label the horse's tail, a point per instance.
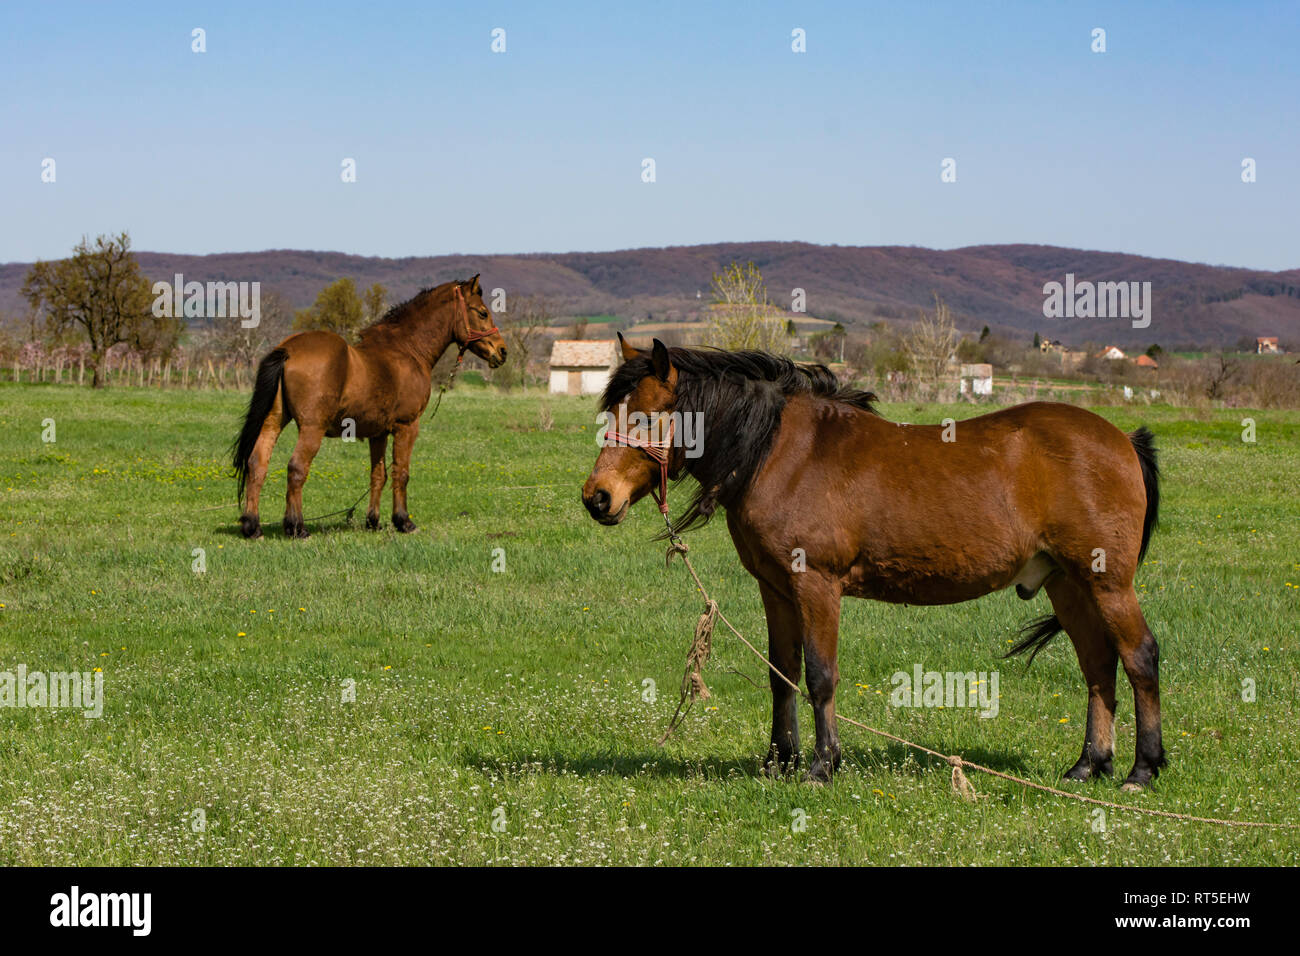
(270, 374)
(1144, 444)
(1035, 635)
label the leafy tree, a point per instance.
(100, 292)
(339, 308)
(375, 301)
(743, 316)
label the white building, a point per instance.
(977, 379)
(582, 366)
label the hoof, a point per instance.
(250, 527)
(1086, 770)
(296, 530)
(776, 767)
(372, 522)
(820, 772)
(1142, 775)
(403, 523)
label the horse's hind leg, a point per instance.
(378, 447)
(1097, 659)
(784, 649)
(1141, 657)
(258, 462)
(308, 444)
(819, 611)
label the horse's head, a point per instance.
(638, 439)
(475, 330)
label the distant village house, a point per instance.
(1267, 345)
(977, 379)
(582, 366)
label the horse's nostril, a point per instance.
(601, 500)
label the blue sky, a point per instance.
(539, 149)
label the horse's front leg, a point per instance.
(784, 647)
(403, 440)
(819, 611)
(378, 475)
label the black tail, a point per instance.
(269, 373)
(1144, 444)
(1035, 635)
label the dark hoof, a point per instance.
(250, 527)
(295, 530)
(1144, 772)
(372, 522)
(403, 523)
(1138, 780)
(819, 772)
(777, 766)
(1087, 770)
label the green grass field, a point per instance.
(517, 697)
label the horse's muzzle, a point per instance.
(598, 505)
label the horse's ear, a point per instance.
(659, 359)
(474, 287)
(629, 353)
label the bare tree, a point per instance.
(229, 340)
(1219, 373)
(929, 346)
(524, 326)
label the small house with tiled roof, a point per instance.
(582, 366)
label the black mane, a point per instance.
(741, 396)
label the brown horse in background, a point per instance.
(825, 498)
(376, 388)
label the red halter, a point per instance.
(471, 335)
(659, 452)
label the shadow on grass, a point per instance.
(892, 758)
(275, 530)
(636, 763)
(896, 758)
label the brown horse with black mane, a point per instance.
(825, 498)
(376, 388)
